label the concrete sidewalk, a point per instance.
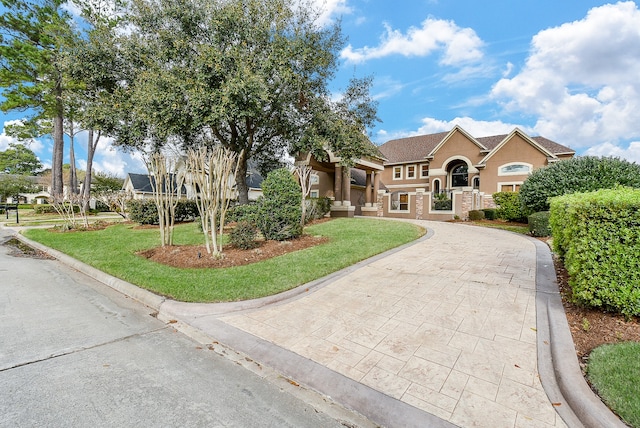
(440, 333)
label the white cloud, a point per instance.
(329, 9)
(458, 45)
(581, 79)
(630, 153)
(477, 128)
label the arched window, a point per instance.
(436, 185)
(476, 182)
(460, 175)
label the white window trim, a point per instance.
(434, 184)
(415, 172)
(421, 174)
(314, 194)
(408, 210)
(394, 173)
(503, 174)
(314, 179)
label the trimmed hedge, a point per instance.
(144, 211)
(476, 215)
(490, 213)
(539, 224)
(580, 174)
(509, 206)
(598, 236)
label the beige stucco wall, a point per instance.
(516, 150)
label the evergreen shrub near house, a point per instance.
(490, 213)
(598, 236)
(509, 207)
(581, 174)
(243, 235)
(476, 215)
(246, 212)
(44, 209)
(144, 211)
(539, 224)
(280, 209)
(317, 208)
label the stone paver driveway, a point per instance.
(447, 325)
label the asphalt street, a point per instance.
(75, 353)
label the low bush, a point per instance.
(243, 236)
(186, 210)
(317, 208)
(476, 215)
(539, 224)
(44, 209)
(144, 211)
(598, 236)
(246, 212)
(509, 206)
(490, 213)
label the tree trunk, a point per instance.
(91, 149)
(241, 179)
(57, 186)
(73, 175)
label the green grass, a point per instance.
(614, 371)
(113, 249)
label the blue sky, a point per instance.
(567, 70)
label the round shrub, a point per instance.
(243, 236)
(143, 211)
(581, 174)
(476, 215)
(280, 211)
(539, 224)
(490, 213)
(509, 207)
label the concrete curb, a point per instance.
(558, 366)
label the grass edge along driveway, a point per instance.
(113, 250)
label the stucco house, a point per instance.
(436, 176)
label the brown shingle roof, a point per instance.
(552, 146)
(410, 148)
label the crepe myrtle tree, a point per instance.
(167, 188)
(211, 173)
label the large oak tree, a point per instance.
(250, 75)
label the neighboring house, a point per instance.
(139, 186)
(40, 197)
(437, 176)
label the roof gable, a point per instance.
(456, 129)
(547, 151)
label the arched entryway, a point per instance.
(458, 174)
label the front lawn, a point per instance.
(113, 250)
(614, 371)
